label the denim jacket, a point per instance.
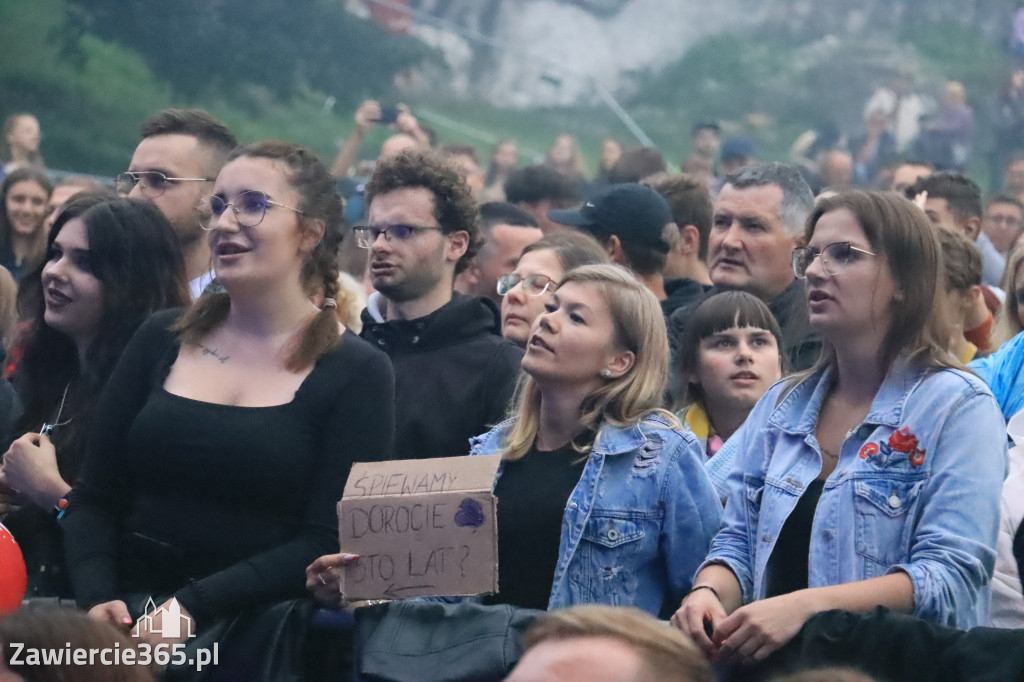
(916, 489)
(639, 521)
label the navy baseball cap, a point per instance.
(634, 213)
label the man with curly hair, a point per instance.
(454, 372)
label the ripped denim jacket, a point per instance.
(638, 523)
(916, 489)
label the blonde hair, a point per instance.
(666, 653)
(639, 328)
(1008, 322)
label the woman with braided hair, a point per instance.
(224, 438)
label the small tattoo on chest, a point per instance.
(216, 354)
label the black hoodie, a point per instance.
(454, 375)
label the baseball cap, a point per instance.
(634, 213)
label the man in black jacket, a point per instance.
(454, 373)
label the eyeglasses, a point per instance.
(533, 285)
(366, 235)
(834, 258)
(153, 183)
(249, 208)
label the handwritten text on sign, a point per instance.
(421, 528)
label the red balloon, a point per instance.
(13, 576)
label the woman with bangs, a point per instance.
(223, 440)
(603, 498)
(872, 479)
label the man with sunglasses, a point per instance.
(758, 219)
(180, 154)
(454, 373)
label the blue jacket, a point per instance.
(637, 524)
(1003, 371)
(916, 490)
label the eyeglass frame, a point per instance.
(824, 259)
(522, 280)
(267, 202)
(147, 189)
(366, 235)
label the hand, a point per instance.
(756, 630)
(30, 467)
(699, 613)
(10, 500)
(113, 612)
(920, 199)
(323, 579)
(406, 123)
(367, 114)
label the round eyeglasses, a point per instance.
(152, 183)
(834, 258)
(533, 285)
(249, 208)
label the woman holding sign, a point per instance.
(602, 496)
(225, 435)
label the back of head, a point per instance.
(666, 653)
(715, 314)
(690, 201)
(899, 231)
(503, 213)
(212, 134)
(54, 629)
(797, 198)
(572, 249)
(961, 261)
(962, 195)
(454, 207)
(533, 184)
(637, 163)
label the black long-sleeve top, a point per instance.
(221, 506)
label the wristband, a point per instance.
(60, 508)
(703, 587)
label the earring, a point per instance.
(606, 373)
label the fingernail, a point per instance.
(349, 557)
(126, 620)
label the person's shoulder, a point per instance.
(160, 325)
(355, 351)
(950, 381)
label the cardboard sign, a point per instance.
(422, 528)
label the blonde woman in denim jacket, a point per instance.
(604, 495)
(905, 449)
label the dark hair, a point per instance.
(961, 261)
(25, 173)
(1005, 199)
(318, 203)
(900, 232)
(534, 184)
(134, 254)
(211, 133)
(454, 207)
(705, 125)
(797, 198)
(636, 163)
(52, 627)
(493, 171)
(690, 201)
(572, 248)
(962, 195)
(715, 314)
(503, 213)
(36, 158)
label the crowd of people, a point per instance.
(763, 402)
